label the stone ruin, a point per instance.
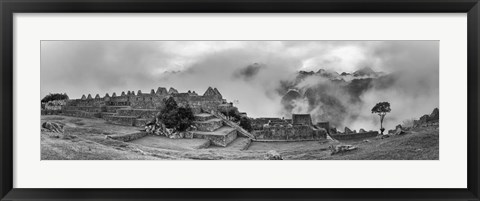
(132, 109)
(299, 128)
(141, 109)
(348, 134)
(304, 119)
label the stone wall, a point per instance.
(199, 103)
(121, 120)
(88, 102)
(113, 109)
(304, 119)
(218, 140)
(84, 108)
(79, 113)
(325, 125)
(258, 123)
(127, 137)
(353, 136)
(148, 101)
(209, 125)
(51, 112)
(295, 132)
(138, 113)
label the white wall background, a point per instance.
(448, 172)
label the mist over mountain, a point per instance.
(337, 98)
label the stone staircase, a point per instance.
(232, 124)
(330, 138)
(212, 128)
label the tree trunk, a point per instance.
(381, 124)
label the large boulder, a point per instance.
(399, 131)
(52, 127)
(273, 155)
(341, 148)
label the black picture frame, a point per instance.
(9, 7)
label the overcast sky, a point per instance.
(83, 67)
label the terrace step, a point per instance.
(121, 120)
(203, 117)
(208, 125)
(103, 115)
(220, 137)
(114, 109)
(80, 113)
(240, 144)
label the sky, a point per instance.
(100, 67)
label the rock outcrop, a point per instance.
(52, 127)
(435, 115)
(273, 155)
(428, 120)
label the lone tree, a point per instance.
(381, 109)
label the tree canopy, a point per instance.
(173, 116)
(54, 96)
(382, 108)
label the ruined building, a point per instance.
(132, 109)
(299, 128)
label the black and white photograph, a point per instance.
(239, 100)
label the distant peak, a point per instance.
(365, 71)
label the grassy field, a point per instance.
(85, 139)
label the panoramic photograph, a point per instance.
(239, 100)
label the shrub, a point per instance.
(246, 124)
(231, 112)
(185, 118)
